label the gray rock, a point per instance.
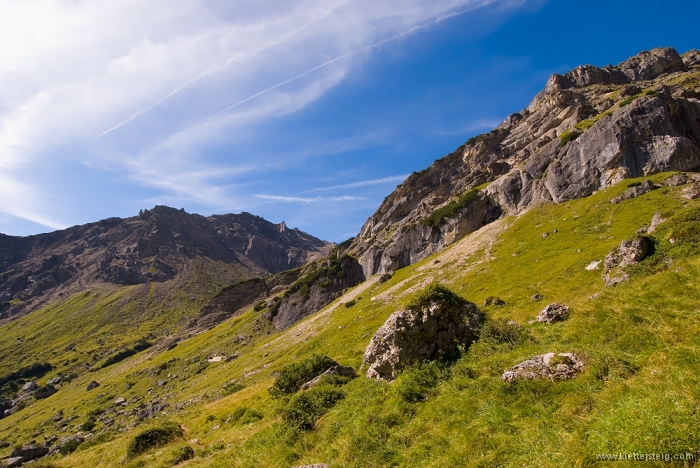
(493, 300)
(550, 366)
(691, 58)
(45, 391)
(49, 441)
(424, 332)
(525, 162)
(627, 253)
(315, 465)
(29, 452)
(120, 401)
(54, 381)
(594, 265)
(93, 385)
(344, 371)
(537, 297)
(648, 65)
(655, 221)
(14, 461)
(76, 439)
(633, 192)
(676, 179)
(691, 192)
(554, 312)
(29, 387)
(322, 290)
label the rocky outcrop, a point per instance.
(633, 192)
(93, 385)
(627, 253)
(554, 312)
(28, 453)
(550, 366)
(430, 328)
(155, 246)
(587, 130)
(317, 287)
(691, 192)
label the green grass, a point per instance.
(639, 391)
(567, 136)
(435, 219)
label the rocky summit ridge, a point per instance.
(158, 245)
(587, 130)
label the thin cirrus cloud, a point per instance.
(145, 89)
(362, 183)
(307, 200)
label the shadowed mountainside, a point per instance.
(155, 246)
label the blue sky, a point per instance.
(307, 111)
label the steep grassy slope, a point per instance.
(638, 393)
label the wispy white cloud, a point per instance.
(147, 88)
(307, 200)
(471, 127)
(362, 183)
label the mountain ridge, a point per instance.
(576, 136)
(156, 245)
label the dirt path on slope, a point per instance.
(460, 252)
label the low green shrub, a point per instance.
(435, 219)
(569, 135)
(292, 377)
(418, 382)
(181, 454)
(88, 425)
(70, 446)
(501, 331)
(435, 293)
(350, 303)
(122, 354)
(304, 409)
(100, 438)
(250, 416)
(153, 438)
(232, 387)
(627, 101)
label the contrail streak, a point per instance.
(212, 70)
(353, 52)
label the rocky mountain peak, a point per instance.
(586, 130)
(157, 245)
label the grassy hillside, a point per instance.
(639, 391)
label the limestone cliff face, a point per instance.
(157, 245)
(588, 129)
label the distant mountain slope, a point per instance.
(587, 130)
(158, 245)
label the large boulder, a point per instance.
(554, 312)
(550, 366)
(29, 452)
(431, 327)
(627, 253)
